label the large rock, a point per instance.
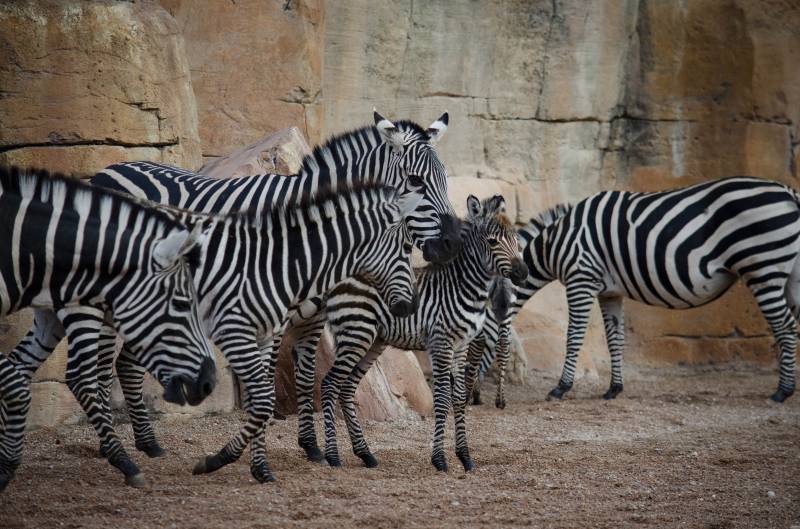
(281, 152)
(86, 84)
(256, 67)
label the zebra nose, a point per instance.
(519, 272)
(403, 308)
(207, 378)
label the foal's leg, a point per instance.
(614, 323)
(347, 400)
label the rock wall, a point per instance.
(550, 100)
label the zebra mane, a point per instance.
(368, 135)
(546, 218)
(326, 202)
(78, 195)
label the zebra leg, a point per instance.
(258, 446)
(347, 400)
(15, 395)
(348, 354)
(244, 357)
(503, 353)
(83, 326)
(131, 380)
(771, 299)
(441, 359)
(579, 299)
(472, 380)
(305, 359)
(459, 410)
(614, 323)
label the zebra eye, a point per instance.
(492, 241)
(181, 305)
(416, 180)
(407, 248)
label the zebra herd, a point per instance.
(166, 259)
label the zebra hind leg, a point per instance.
(347, 399)
(772, 301)
(131, 379)
(614, 323)
(16, 401)
(305, 355)
(580, 297)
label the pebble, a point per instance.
(770, 494)
(454, 503)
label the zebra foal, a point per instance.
(676, 249)
(453, 305)
(86, 254)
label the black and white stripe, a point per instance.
(453, 305)
(676, 249)
(87, 255)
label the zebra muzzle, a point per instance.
(403, 309)
(519, 272)
(183, 389)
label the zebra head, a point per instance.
(159, 322)
(498, 237)
(434, 227)
(387, 263)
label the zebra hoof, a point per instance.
(559, 391)
(262, 473)
(207, 464)
(333, 460)
(500, 404)
(439, 462)
(136, 481)
(368, 459)
(476, 398)
(781, 395)
(612, 392)
(466, 461)
(314, 454)
(151, 450)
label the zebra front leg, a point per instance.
(15, 396)
(258, 446)
(131, 380)
(441, 360)
(82, 326)
(244, 357)
(305, 361)
(580, 296)
(503, 353)
(348, 354)
(347, 400)
(472, 382)
(770, 296)
(459, 411)
(614, 323)
(38, 344)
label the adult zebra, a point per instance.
(676, 249)
(401, 155)
(453, 305)
(83, 252)
(259, 266)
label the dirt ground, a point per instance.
(680, 448)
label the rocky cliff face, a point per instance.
(550, 101)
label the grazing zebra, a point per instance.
(400, 155)
(453, 305)
(85, 253)
(676, 249)
(481, 355)
(257, 268)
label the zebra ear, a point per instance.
(438, 128)
(176, 245)
(407, 204)
(496, 205)
(389, 132)
(474, 207)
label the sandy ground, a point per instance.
(680, 448)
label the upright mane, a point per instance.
(78, 195)
(368, 135)
(537, 224)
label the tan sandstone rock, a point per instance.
(281, 152)
(91, 83)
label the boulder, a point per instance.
(86, 84)
(281, 152)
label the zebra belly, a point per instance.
(700, 291)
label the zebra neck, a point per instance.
(360, 156)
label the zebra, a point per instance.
(84, 253)
(677, 249)
(258, 267)
(400, 154)
(480, 355)
(453, 305)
